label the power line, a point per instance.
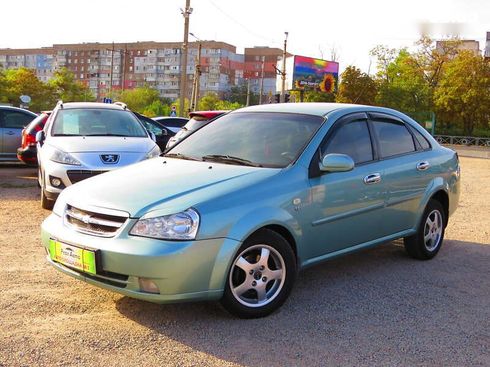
(241, 24)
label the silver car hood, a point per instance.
(113, 144)
(163, 184)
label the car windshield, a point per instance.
(262, 139)
(97, 122)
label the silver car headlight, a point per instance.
(155, 152)
(64, 158)
(179, 226)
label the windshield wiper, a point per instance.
(230, 159)
(181, 156)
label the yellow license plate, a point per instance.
(72, 256)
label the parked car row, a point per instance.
(12, 122)
(235, 209)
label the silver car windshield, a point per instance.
(97, 122)
(262, 139)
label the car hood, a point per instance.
(165, 184)
(114, 144)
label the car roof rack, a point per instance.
(121, 104)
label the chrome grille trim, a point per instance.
(94, 223)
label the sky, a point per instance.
(315, 27)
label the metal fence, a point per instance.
(463, 140)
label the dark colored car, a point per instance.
(12, 121)
(162, 132)
(198, 120)
(172, 123)
(27, 152)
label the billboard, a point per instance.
(307, 73)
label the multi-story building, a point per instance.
(39, 59)
(487, 46)
(255, 57)
(463, 45)
(102, 66)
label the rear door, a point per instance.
(13, 122)
(407, 169)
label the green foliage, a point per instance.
(24, 81)
(68, 89)
(157, 108)
(138, 99)
(311, 96)
(356, 87)
(463, 93)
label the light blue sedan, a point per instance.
(235, 210)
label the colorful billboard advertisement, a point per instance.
(315, 74)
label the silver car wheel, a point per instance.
(257, 276)
(433, 230)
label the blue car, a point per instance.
(236, 209)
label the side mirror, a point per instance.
(336, 163)
(152, 136)
(164, 132)
(40, 136)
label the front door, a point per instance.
(347, 207)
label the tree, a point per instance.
(24, 81)
(401, 83)
(463, 92)
(68, 89)
(209, 101)
(238, 94)
(356, 87)
(139, 98)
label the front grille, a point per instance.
(79, 175)
(93, 223)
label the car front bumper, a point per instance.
(182, 270)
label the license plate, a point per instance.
(72, 256)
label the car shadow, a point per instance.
(377, 306)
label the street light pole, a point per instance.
(283, 71)
(262, 81)
(112, 68)
(183, 60)
(197, 75)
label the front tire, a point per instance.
(427, 242)
(261, 276)
(45, 202)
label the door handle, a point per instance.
(372, 179)
(10, 133)
(422, 166)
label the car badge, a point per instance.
(109, 158)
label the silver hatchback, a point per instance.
(81, 140)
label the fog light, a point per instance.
(147, 285)
(56, 182)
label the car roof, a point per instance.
(307, 108)
(3, 107)
(108, 106)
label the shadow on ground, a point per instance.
(375, 307)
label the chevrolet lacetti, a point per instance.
(232, 212)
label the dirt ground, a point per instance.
(376, 307)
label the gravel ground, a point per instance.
(377, 307)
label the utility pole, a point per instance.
(183, 60)
(283, 71)
(125, 54)
(262, 80)
(248, 92)
(112, 68)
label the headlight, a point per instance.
(64, 158)
(154, 152)
(180, 226)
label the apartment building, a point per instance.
(464, 45)
(253, 59)
(102, 66)
(487, 46)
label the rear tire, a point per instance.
(261, 276)
(427, 242)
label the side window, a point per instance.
(424, 144)
(352, 139)
(393, 138)
(153, 128)
(16, 120)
